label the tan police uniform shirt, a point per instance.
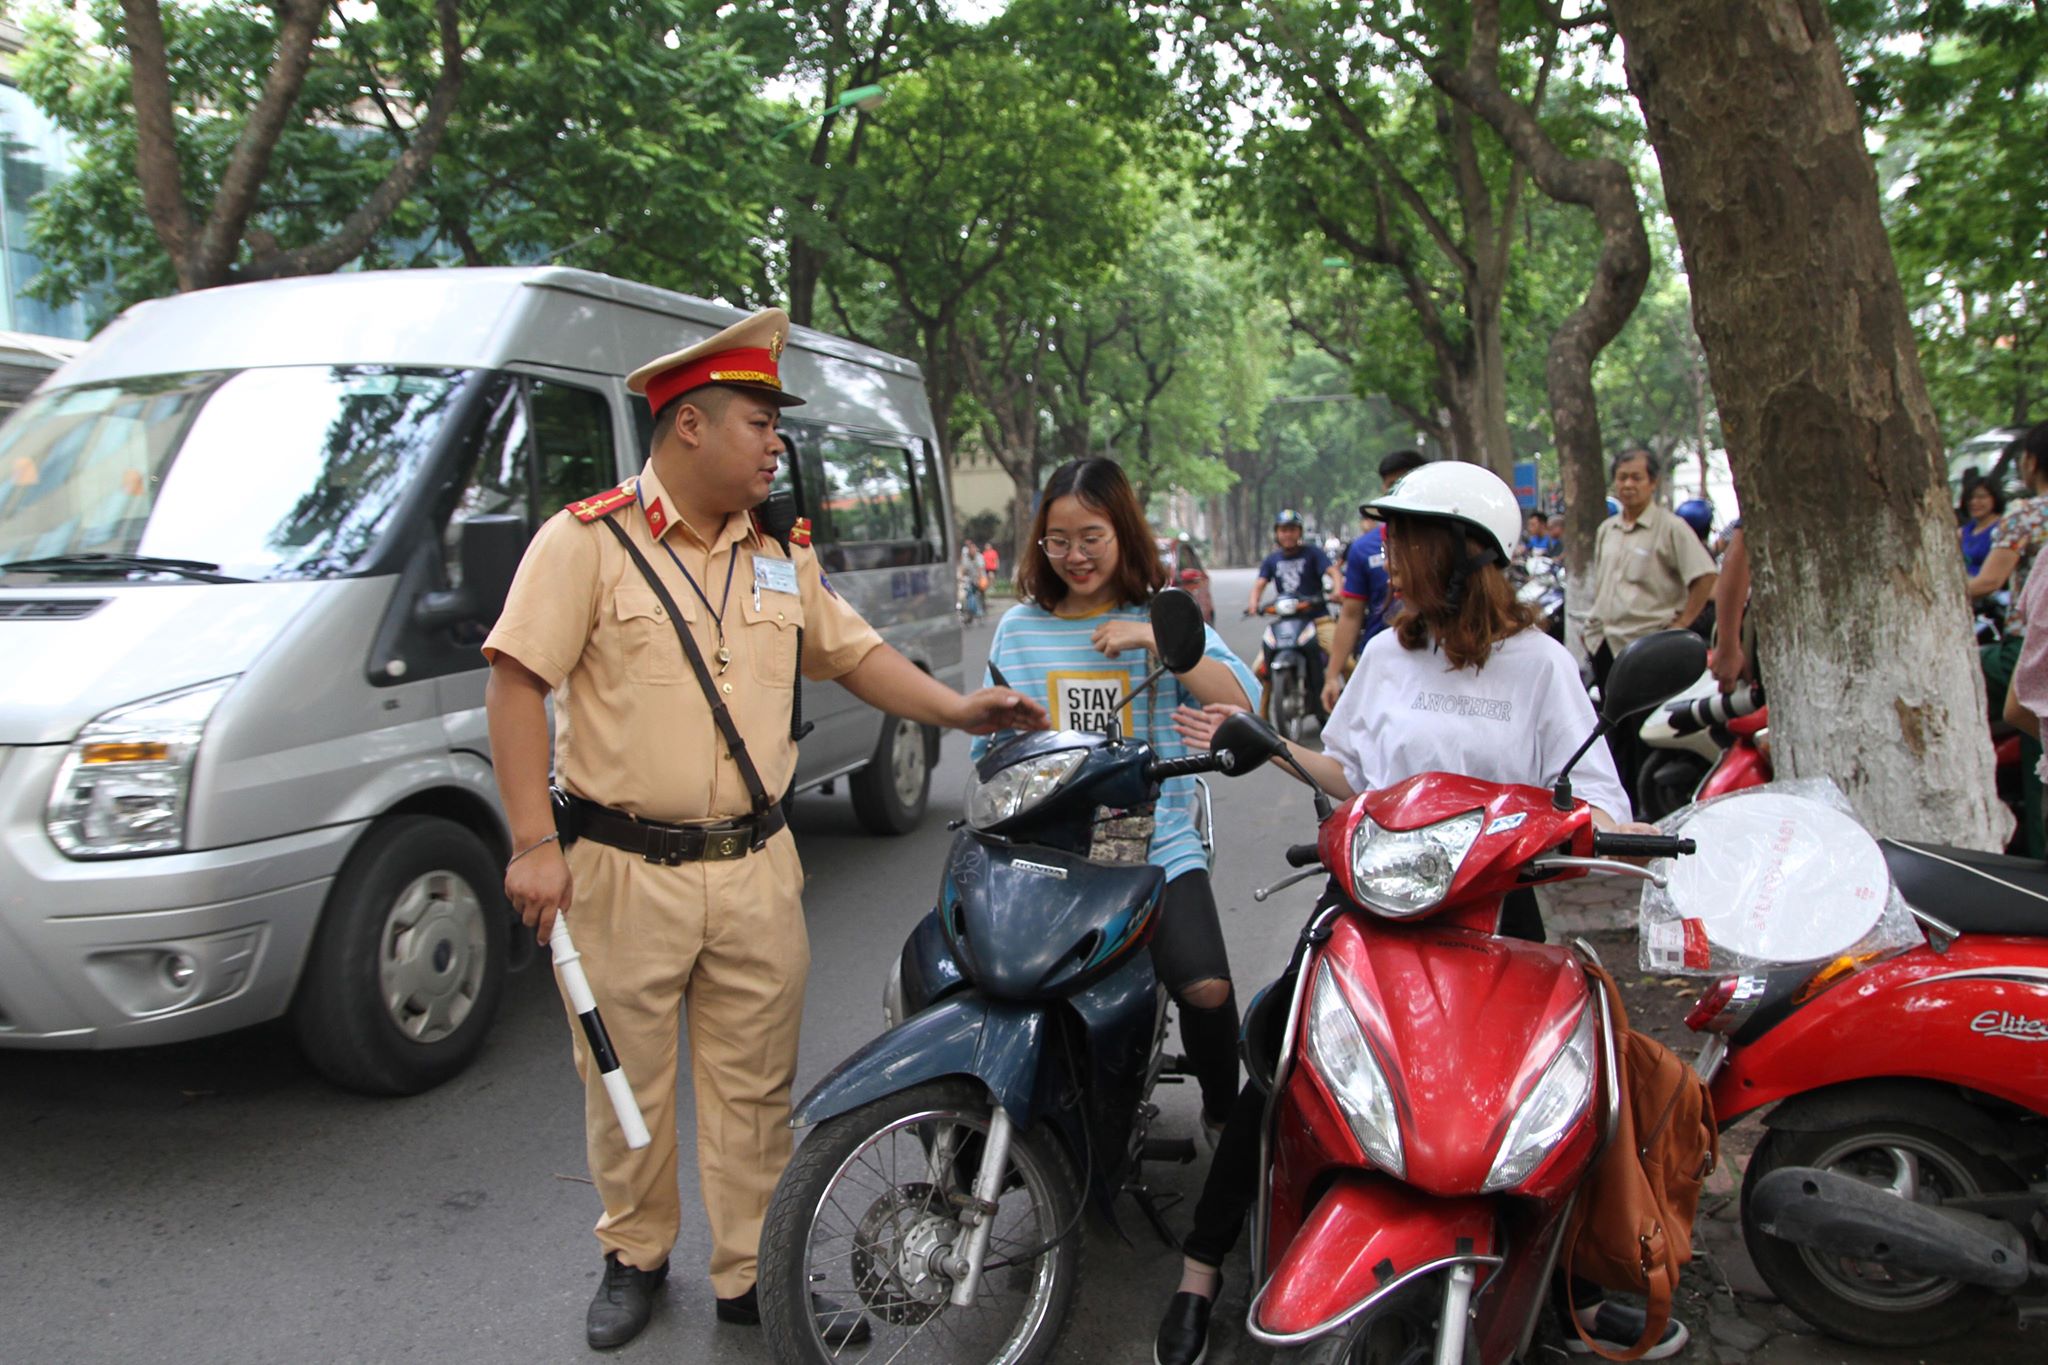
(633, 729)
(1640, 576)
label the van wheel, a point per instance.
(889, 794)
(408, 964)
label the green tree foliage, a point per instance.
(574, 122)
(1958, 94)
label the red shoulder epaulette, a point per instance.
(599, 504)
(800, 534)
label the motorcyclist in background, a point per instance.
(1698, 513)
(1294, 570)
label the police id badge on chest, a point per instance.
(773, 575)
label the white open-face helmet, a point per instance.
(1452, 490)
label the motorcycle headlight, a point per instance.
(1019, 787)
(1561, 1095)
(1403, 872)
(123, 787)
(1338, 1051)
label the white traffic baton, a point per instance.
(569, 967)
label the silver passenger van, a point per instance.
(250, 541)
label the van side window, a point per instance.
(861, 496)
(500, 483)
(574, 431)
(514, 473)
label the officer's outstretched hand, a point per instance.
(538, 885)
(993, 709)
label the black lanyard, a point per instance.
(717, 612)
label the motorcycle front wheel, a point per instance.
(1287, 702)
(868, 1212)
(1400, 1333)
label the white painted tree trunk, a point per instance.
(1866, 644)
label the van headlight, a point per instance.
(1403, 872)
(1561, 1095)
(123, 787)
(1013, 790)
(1340, 1055)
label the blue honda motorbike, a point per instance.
(940, 1191)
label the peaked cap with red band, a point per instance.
(746, 355)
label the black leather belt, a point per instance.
(670, 845)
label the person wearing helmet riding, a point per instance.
(1365, 599)
(1295, 569)
(1462, 682)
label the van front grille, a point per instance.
(48, 608)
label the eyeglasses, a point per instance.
(1093, 546)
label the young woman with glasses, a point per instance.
(1079, 641)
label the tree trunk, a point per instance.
(1601, 184)
(1865, 639)
(1490, 389)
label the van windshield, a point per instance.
(269, 474)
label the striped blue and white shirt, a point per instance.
(1053, 661)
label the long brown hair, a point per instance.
(1101, 487)
(1465, 621)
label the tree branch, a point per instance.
(157, 166)
(356, 231)
(220, 241)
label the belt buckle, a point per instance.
(664, 846)
(723, 847)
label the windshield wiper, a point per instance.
(93, 561)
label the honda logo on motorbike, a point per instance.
(1999, 1024)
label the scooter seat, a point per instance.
(1977, 893)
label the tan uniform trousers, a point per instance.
(725, 943)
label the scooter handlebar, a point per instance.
(1189, 766)
(1304, 855)
(1640, 845)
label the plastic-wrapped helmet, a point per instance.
(1613, 508)
(1451, 490)
(1286, 517)
(1697, 513)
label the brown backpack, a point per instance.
(1631, 1230)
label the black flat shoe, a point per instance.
(1184, 1331)
(623, 1303)
(836, 1326)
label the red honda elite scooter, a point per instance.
(1900, 1193)
(1438, 1091)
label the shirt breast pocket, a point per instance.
(771, 637)
(647, 639)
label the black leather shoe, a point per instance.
(1183, 1332)
(623, 1303)
(837, 1326)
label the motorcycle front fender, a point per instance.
(994, 1042)
(1367, 1238)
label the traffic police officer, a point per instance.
(684, 884)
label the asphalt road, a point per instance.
(217, 1202)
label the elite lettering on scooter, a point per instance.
(1999, 1024)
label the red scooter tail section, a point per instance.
(1367, 1236)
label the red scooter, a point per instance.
(1900, 1193)
(1437, 1092)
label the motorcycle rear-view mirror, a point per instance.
(1248, 740)
(1177, 629)
(1653, 669)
